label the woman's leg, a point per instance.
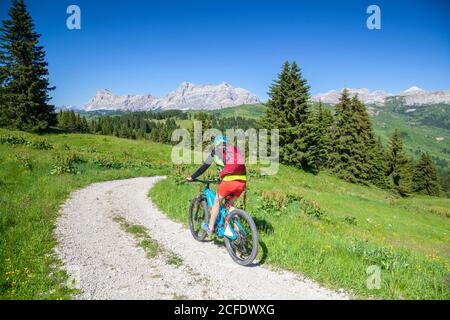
(230, 203)
(215, 211)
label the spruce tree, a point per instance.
(324, 123)
(378, 168)
(356, 155)
(288, 110)
(63, 120)
(344, 161)
(398, 167)
(275, 116)
(370, 148)
(301, 136)
(72, 121)
(78, 126)
(84, 125)
(316, 143)
(23, 74)
(425, 179)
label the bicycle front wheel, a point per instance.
(244, 248)
(197, 215)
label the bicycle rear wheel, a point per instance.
(197, 215)
(244, 248)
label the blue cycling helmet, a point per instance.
(220, 139)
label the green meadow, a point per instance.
(37, 174)
(316, 225)
(332, 231)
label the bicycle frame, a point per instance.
(229, 232)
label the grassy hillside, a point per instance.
(317, 225)
(332, 231)
(417, 137)
(326, 224)
(32, 190)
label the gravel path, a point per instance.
(106, 262)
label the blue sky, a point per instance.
(152, 46)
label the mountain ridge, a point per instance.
(187, 96)
(413, 96)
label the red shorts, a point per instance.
(230, 189)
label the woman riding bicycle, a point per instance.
(232, 172)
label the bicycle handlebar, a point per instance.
(205, 181)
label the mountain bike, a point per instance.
(237, 228)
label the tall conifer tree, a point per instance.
(23, 74)
(288, 110)
(377, 173)
(425, 179)
(344, 161)
(324, 121)
(275, 116)
(398, 167)
(303, 147)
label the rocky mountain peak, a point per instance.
(412, 90)
(186, 96)
(414, 96)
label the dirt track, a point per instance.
(107, 262)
